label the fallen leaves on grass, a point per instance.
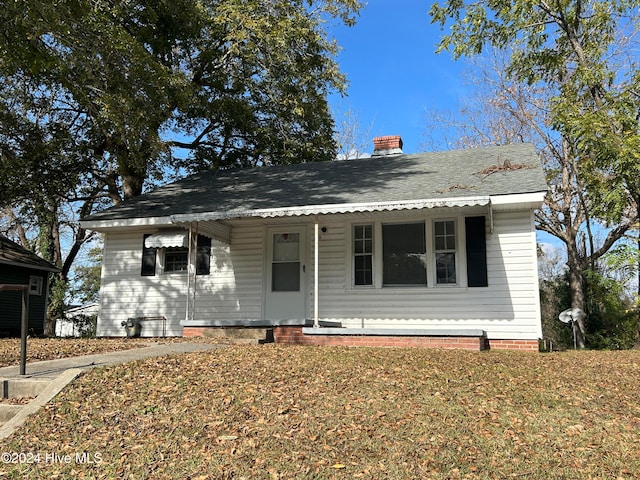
(304, 412)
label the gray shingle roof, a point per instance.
(501, 170)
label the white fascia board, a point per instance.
(101, 225)
(518, 200)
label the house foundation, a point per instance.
(370, 337)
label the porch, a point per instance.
(295, 332)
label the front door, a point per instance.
(286, 274)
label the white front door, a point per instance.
(286, 274)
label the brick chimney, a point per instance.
(389, 145)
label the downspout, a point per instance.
(490, 217)
(316, 236)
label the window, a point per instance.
(363, 254)
(35, 285)
(445, 250)
(176, 259)
(203, 256)
(148, 268)
(404, 254)
(400, 256)
(285, 273)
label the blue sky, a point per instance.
(394, 74)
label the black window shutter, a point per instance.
(148, 259)
(476, 252)
(203, 255)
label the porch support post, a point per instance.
(316, 237)
(191, 271)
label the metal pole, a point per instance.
(23, 331)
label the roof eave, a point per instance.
(101, 225)
(30, 266)
(518, 201)
(509, 201)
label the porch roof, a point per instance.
(427, 180)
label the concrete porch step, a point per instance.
(23, 391)
(239, 335)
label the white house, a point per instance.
(77, 320)
(427, 249)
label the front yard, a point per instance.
(305, 412)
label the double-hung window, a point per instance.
(404, 254)
(363, 254)
(176, 260)
(445, 252)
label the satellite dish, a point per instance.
(572, 315)
(565, 317)
(577, 314)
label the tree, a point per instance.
(236, 83)
(351, 139)
(554, 295)
(572, 51)
(101, 100)
(87, 277)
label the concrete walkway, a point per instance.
(53, 368)
(44, 380)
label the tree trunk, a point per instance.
(576, 285)
(637, 345)
(132, 186)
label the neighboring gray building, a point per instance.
(432, 245)
(19, 266)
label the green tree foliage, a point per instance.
(612, 323)
(101, 100)
(234, 83)
(578, 53)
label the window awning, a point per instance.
(169, 238)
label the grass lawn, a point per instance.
(323, 412)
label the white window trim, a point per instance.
(434, 275)
(429, 222)
(352, 255)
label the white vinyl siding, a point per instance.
(232, 290)
(507, 308)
